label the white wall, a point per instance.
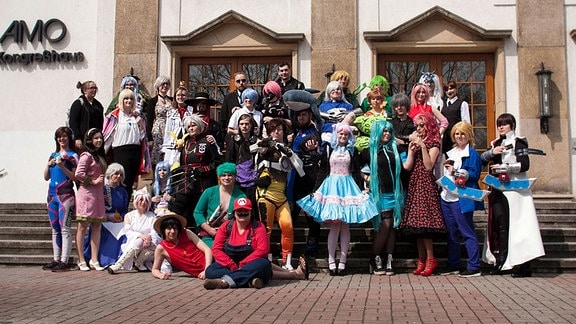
(36, 97)
(570, 8)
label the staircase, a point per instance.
(25, 239)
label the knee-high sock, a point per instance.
(344, 244)
(332, 242)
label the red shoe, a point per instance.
(431, 265)
(420, 265)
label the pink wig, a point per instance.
(415, 90)
(432, 131)
(272, 87)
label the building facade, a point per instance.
(492, 49)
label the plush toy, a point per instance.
(364, 125)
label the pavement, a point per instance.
(31, 295)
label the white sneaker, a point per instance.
(288, 267)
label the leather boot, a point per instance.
(140, 261)
(431, 265)
(420, 265)
(121, 260)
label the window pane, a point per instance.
(478, 116)
(479, 93)
(448, 71)
(463, 71)
(479, 71)
(481, 139)
(224, 75)
(464, 92)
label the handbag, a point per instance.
(217, 218)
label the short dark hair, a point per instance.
(170, 222)
(506, 119)
(64, 131)
(400, 99)
(284, 63)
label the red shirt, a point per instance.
(260, 244)
(419, 109)
(185, 256)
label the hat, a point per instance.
(242, 203)
(298, 105)
(160, 219)
(200, 96)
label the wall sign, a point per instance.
(53, 31)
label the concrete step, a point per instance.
(28, 233)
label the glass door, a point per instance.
(216, 75)
(473, 73)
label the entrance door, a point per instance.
(473, 73)
(215, 75)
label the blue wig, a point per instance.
(391, 146)
(157, 185)
(136, 91)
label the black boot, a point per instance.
(522, 271)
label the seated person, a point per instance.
(184, 252)
(217, 202)
(240, 254)
(334, 109)
(116, 201)
(139, 247)
(161, 187)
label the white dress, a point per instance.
(139, 224)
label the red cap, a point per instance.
(242, 203)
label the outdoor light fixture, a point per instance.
(545, 97)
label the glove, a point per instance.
(198, 172)
(263, 182)
(267, 142)
(284, 149)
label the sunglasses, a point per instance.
(241, 81)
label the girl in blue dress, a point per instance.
(337, 199)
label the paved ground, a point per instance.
(30, 295)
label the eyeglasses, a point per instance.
(241, 81)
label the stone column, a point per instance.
(136, 42)
(334, 40)
(542, 38)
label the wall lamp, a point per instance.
(545, 97)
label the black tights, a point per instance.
(385, 237)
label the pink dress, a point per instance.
(89, 198)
